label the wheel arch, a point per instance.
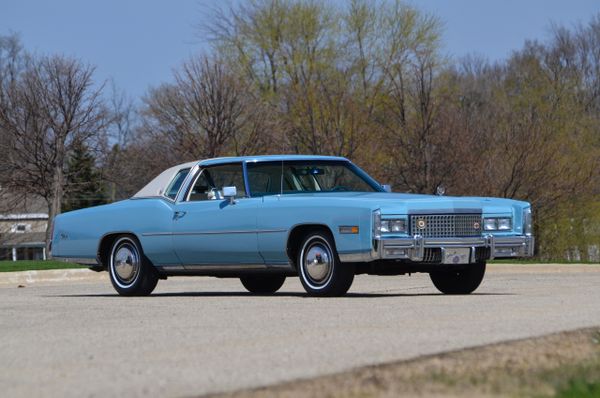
(297, 232)
(106, 242)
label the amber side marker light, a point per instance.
(349, 229)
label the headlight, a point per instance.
(398, 225)
(497, 224)
(504, 224)
(490, 224)
(395, 225)
(527, 222)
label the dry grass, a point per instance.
(565, 364)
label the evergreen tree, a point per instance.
(84, 181)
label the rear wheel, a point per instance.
(130, 273)
(319, 268)
(460, 281)
(263, 284)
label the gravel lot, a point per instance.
(203, 335)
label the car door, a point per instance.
(211, 230)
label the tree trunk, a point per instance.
(55, 204)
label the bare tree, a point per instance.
(206, 113)
(51, 105)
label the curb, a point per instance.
(51, 276)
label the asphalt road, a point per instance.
(200, 335)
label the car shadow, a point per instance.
(350, 295)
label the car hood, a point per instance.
(403, 203)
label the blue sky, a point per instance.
(139, 42)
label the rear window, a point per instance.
(175, 184)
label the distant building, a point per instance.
(23, 222)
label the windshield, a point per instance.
(272, 178)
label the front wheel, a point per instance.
(319, 268)
(130, 273)
(460, 281)
(263, 284)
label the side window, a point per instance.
(213, 179)
(202, 189)
(175, 184)
(264, 178)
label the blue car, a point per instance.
(265, 218)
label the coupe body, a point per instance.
(265, 218)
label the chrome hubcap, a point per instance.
(317, 262)
(126, 263)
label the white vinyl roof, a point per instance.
(157, 186)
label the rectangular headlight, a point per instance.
(398, 225)
(392, 225)
(490, 224)
(497, 224)
(504, 224)
(385, 226)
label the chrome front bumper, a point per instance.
(413, 248)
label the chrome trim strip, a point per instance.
(157, 233)
(491, 243)
(357, 257)
(224, 267)
(77, 260)
(441, 212)
(185, 233)
(419, 248)
(169, 267)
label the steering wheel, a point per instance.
(339, 188)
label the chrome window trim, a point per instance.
(164, 193)
(188, 192)
(186, 184)
(246, 181)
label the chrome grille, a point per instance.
(446, 225)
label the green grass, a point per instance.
(580, 388)
(14, 266)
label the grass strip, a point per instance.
(26, 265)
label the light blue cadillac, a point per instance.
(264, 218)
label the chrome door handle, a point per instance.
(178, 214)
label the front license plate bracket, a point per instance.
(456, 255)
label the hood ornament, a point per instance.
(440, 190)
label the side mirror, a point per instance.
(229, 193)
(387, 187)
